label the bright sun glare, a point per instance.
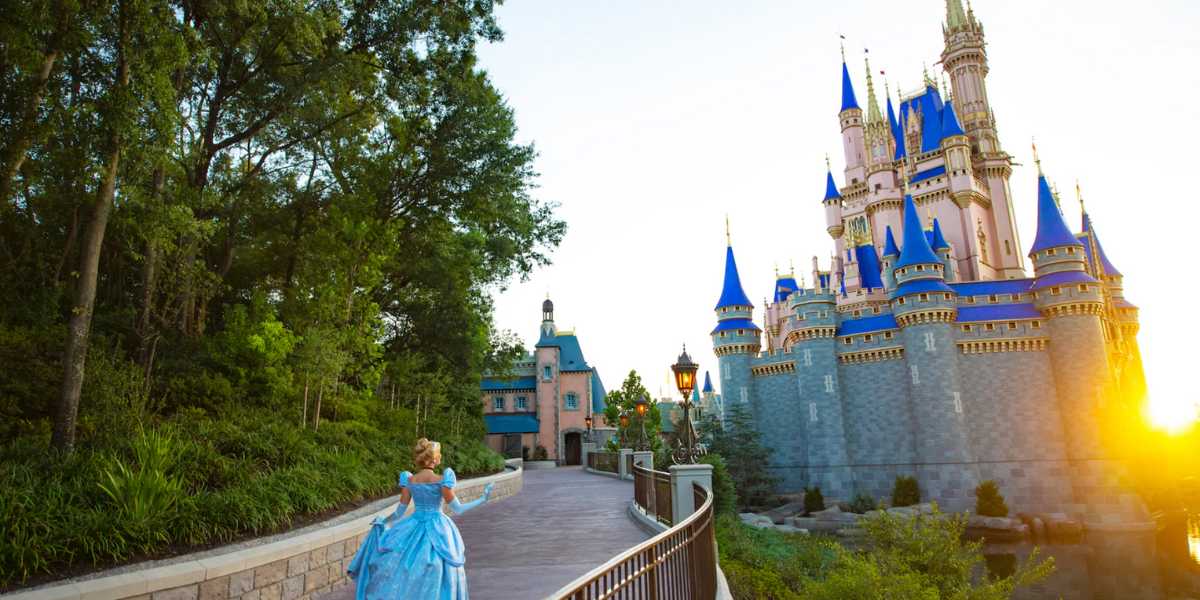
(1173, 414)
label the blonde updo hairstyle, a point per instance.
(427, 454)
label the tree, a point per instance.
(624, 400)
(739, 443)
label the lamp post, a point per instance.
(624, 425)
(687, 450)
(587, 437)
(642, 405)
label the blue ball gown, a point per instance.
(421, 557)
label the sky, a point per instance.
(654, 120)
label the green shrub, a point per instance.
(540, 453)
(862, 503)
(145, 496)
(813, 500)
(905, 492)
(725, 494)
(988, 501)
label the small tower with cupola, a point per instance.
(736, 339)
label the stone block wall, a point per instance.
(295, 567)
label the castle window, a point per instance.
(741, 332)
(946, 296)
(916, 375)
(1012, 325)
(498, 403)
(857, 313)
(875, 310)
(1007, 248)
(930, 346)
(924, 297)
(887, 335)
(867, 338)
(829, 383)
(901, 301)
(812, 412)
(1055, 291)
(546, 372)
(1052, 252)
(989, 327)
(920, 267)
(807, 357)
(572, 401)
(522, 403)
(970, 299)
(847, 340)
(1083, 287)
(958, 402)
(993, 299)
(1070, 250)
(725, 368)
(722, 334)
(1016, 297)
(1037, 324)
(966, 328)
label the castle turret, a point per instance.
(965, 59)
(1120, 317)
(878, 141)
(736, 339)
(851, 119)
(942, 248)
(956, 148)
(890, 255)
(833, 206)
(925, 308)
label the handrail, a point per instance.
(642, 570)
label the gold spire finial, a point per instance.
(842, 44)
(1037, 161)
(728, 239)
(827, 167)
(929, 217)
(777, 270)
(792, 266)
(1079, 195)
(925, 74)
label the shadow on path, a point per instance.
(564, 523)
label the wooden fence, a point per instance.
(677, 564)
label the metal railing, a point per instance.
(629, 463)
(652, 493)
(604, 461)
(679, 563)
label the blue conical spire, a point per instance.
(1052, 231)
(848, 100)
(950, 124)
(708, 388)
(732, 293)
(1105, 264)
(939, 241)
(830, 187)
(916, 248)
(891, 115)
(889, 244)
(898, 134)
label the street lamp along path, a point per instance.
(687, 450)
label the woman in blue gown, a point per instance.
(419, 557)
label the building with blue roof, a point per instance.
(943, 350)
(547, 398)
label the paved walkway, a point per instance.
(564, 523)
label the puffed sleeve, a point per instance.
(449, 479)
(404, 477)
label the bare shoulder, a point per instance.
(426, 476)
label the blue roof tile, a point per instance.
(848, 99)
(830, 187)
(867, 324)
(511, 423)
(938, 241)
(508, 384)
(707, 383)
(1052, 231)
(921, 285)
(1062, 278)
(732, 293)
(1105, 264)
(987, 288)
(997, 312)
(950, 126)
(599, 396)
(929, 174)
(868, 267)
(784, 286)
(889, 244)
(916, 248)
(729, 324)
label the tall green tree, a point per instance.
(738, 442)
(624, 401)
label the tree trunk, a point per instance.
(69, 246)
(304, 413)
(79, 326)
(149, 281)
(320, 394)
(15, 151)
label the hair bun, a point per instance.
(426, 453)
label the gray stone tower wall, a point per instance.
(879, 424)
(782, 431)
(820, 396)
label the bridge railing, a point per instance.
(677, 564)
(652, 493)
(609, 462)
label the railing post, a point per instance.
(644, 458)
(622, 462)
(683, 500)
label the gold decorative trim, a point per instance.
(774, 369)
(1003, 345)
(737, 349)
(921, 317)
(809, 333)
(872, 355)
(1094, 308)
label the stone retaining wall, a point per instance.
(298, 566)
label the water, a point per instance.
(1163, 565)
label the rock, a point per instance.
(790, 529)
(848, 517)
(801, 522)
(924, 508)
(998, 523)
(763, 524)
(1064, 529)
(749, 518)
(1039, 528)
(907, 512)
(779, 513)
(829, 514)
(851, 532)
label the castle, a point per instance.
(546, 400)
(926, 349)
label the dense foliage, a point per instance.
(640, 429)
(922, 557)
(814, 500)
(863, 503)
(905, 492)
(725, 498)
(988, 501)
(246, 257)
(738, 442)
